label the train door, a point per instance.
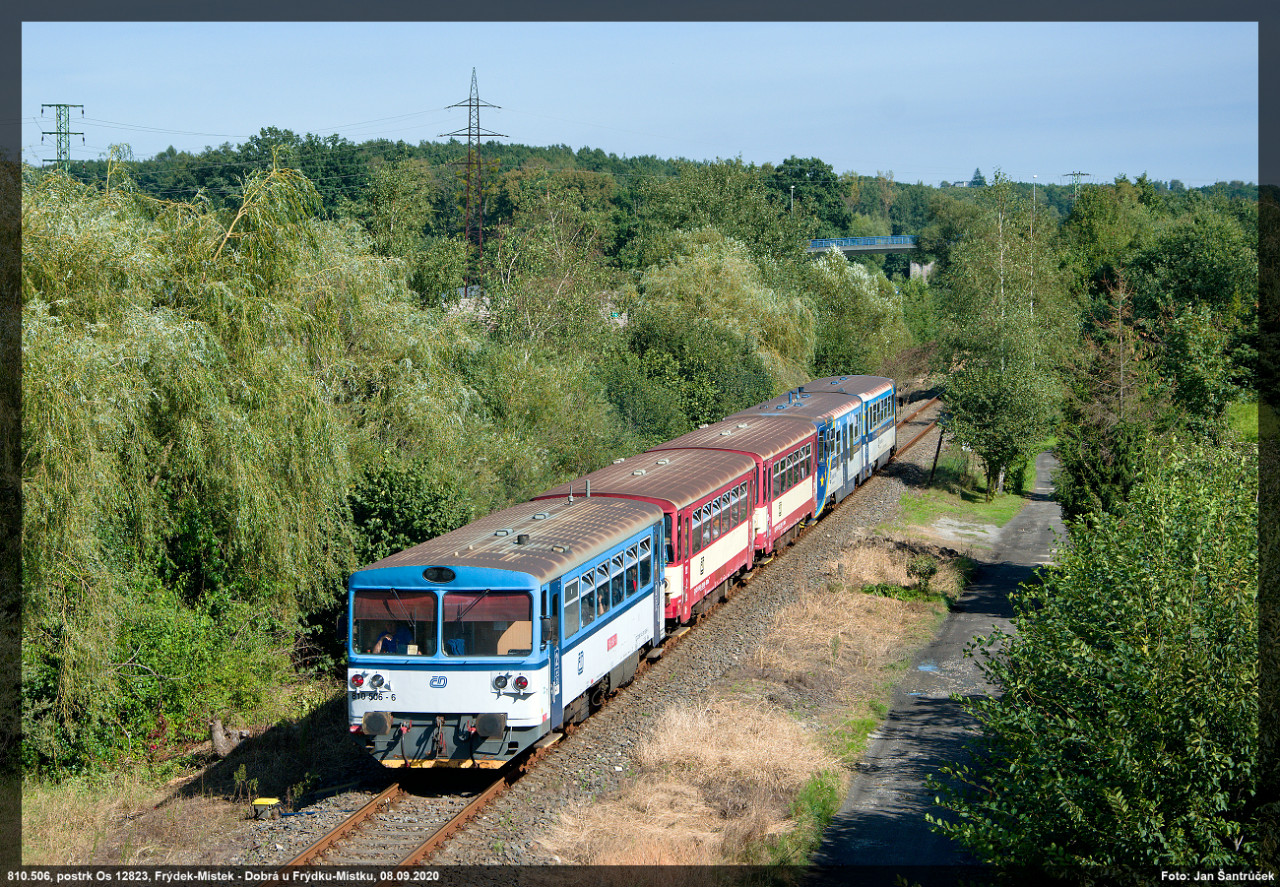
(552, 640)
(843, 455)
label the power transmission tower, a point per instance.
(1075, 182)
(62, 114)
(473, 221)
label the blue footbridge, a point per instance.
(894, 243)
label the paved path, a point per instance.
(881, 823)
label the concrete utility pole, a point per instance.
(62, 115)
(473, 222)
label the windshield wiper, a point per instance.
(471, 605)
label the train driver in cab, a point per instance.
(394, 638)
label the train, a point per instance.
(472, 648)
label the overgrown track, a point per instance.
(927, 428)
(387, 831)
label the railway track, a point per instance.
(387, 831)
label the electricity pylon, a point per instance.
(473, 221)
(62, 114)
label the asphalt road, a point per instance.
(881, 826)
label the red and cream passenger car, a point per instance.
(707, 499)
(783, 451)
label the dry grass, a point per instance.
(119, 820)
(711, 780)
(716, 780)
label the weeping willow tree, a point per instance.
(860, 321)
(733, 340)
(200, 392)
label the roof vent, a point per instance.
(663, 461)
(726, 433)
(638, 472)
(618, 461)
(502, 533)
(559, 548)
(742, 424)
(541, 515)
(522, 539)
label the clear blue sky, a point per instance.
(929, 101)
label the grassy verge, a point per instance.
(956, 497)
(171, 810)
(1243, 420)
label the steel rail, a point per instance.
(925, 406)
(383, 800)
(442, 834)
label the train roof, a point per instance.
(680, 477)
(811, 406)
(865, 387)
(759, 438)
(561, 535)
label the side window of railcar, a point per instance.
(615, 581)
(706, 525)
(734, 507)
(588, 599)
(696, 533)
(715, 519)
(572, 618)
(667, 535)
(632, 574)
(602, 588)
(646, 563)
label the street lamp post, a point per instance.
(1033, 247)
(792, 208)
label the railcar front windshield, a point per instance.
(488, 623)
(394, 623)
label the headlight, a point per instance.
(521, 682)
(357, 681)
(377, 681)
(500, 681)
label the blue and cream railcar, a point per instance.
(837, 418)
(783, 451)
(471, 647)
(707, 498)
(879, 416)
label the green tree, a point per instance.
(397, 207)
(858, 313)
(729, 196)
(1008, 327)
(1125, 731)
(547, 278)
(1113, 410)
(817, 192)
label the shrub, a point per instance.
(1126, 732)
